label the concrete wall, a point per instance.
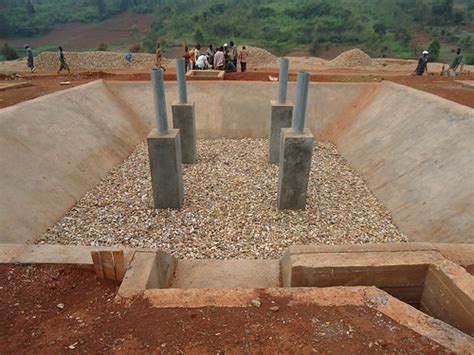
(55, 148)
(239, 110)
(414, 149)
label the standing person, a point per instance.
(159, 57)
(219, 60)
(197, 54)
(187, 60)
(210, 54)
(192, 58)
(243, 57)
(233, 53)
(457, 60)
(62, 60)
(30, 58)
(422, 64)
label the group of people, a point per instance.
(456, 63)
(31, 60)
(224, 58)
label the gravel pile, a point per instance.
(260, 57)
(97, 60)
(352, 58)
(230, 207)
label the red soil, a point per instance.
(45, 83)
(51, 309)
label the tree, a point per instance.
(198, 36)
(4, 26)
(9, 52)
(101, 7)
(380, 29)
(124, 4)
(29, 8)
(434, 49)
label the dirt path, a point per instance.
(46, 82)
(59, 309)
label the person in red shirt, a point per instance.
(187, 59)
(243, 57)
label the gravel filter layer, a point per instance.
(230, 207)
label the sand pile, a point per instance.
(97, 60)
(352, 58)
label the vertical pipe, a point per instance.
(183, 95)
(300, 102)
(283, 80)
(160, 100)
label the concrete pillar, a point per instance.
(281, 114)
(183, 119)
(296, 152)
(164, 150)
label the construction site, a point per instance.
(304, 206)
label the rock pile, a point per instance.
(97, 60)
(352, 58)
(230, 208)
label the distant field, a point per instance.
(116, 32)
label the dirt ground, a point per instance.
(45, 83)
(59, 309)
(84, 36)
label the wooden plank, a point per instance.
(119, 264)
(108, 264)
(96, 259)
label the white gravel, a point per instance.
(230, 207)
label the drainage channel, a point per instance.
(423, 279)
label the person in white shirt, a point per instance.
(202, 62)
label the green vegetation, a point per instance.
(434, 49)
(380, 27)
(470, 59)
(8, 52)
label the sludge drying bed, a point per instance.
(230, 207)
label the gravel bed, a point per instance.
(230, 207)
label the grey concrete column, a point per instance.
(184, 120)
(281, 114)
(164, 150)
(296, 152)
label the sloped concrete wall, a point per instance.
(53, 149)
(416, 151)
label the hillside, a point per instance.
(380, 27)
